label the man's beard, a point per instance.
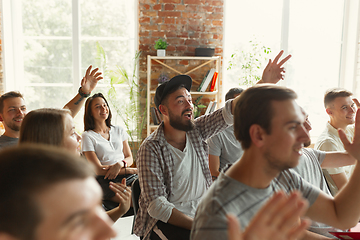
(178, 124)
(13, 126)
(307, 144)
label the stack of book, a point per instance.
(209, 79)
(211, 107)
(155, 116)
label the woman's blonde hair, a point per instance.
(45, 125)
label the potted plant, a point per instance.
(160, 46)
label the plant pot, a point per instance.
(161, 52)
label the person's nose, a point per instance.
(304, 134)
(190, 104)
(78, 137)
(102, 227)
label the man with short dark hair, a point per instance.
(223, 147)
(173, 160)
(341, 110)
(13, 108)
(53, 196)
(272, 135)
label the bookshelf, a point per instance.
(203, 63)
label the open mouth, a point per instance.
(299, 150)
(188, 115)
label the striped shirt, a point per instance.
(228, 195)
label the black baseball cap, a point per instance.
(166, 87)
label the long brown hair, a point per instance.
(89, 123)
(45, 125)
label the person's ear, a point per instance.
(163, 109)
(329, 111)
(257, 135)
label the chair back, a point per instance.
(135, 195)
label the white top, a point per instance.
(186, 195)
(109, 151)
(330, 141)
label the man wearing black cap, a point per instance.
(173, 160)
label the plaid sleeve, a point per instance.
(151, 171)
(215, 122)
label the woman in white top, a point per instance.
(105, 145)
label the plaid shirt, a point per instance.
(155, 164)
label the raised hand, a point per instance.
(352, 148)
(278, 219)
(274, 71)
(122, 195)
(89, 81)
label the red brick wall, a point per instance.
(186, 25)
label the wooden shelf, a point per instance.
(205, 62)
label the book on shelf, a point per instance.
(207, 80)
(208, 109)
(153, 116)
(158, 115)
(202, 82)
(213, 107)
(213, 81)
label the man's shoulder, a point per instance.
(6, 141)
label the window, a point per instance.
(319, 41)
(50, 43)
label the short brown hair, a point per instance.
(254, 106)
(25, 172)
(333, 93)
(8, 95)
(45, 125)
(89, 123)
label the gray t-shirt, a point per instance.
(309, 168)
(6, 141)
(226, 146)
(227, 195)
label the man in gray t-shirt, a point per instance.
(223, 147)
(6, 141)
(272, 135)
(309, 167)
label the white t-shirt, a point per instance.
(330, 141)
(109, 151)
(186, 195)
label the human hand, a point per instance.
(352, 148)
(122, 195)
(273, 71)
(277, 219)
(89, 81)
(113, 171)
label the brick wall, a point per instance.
(186, 25)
